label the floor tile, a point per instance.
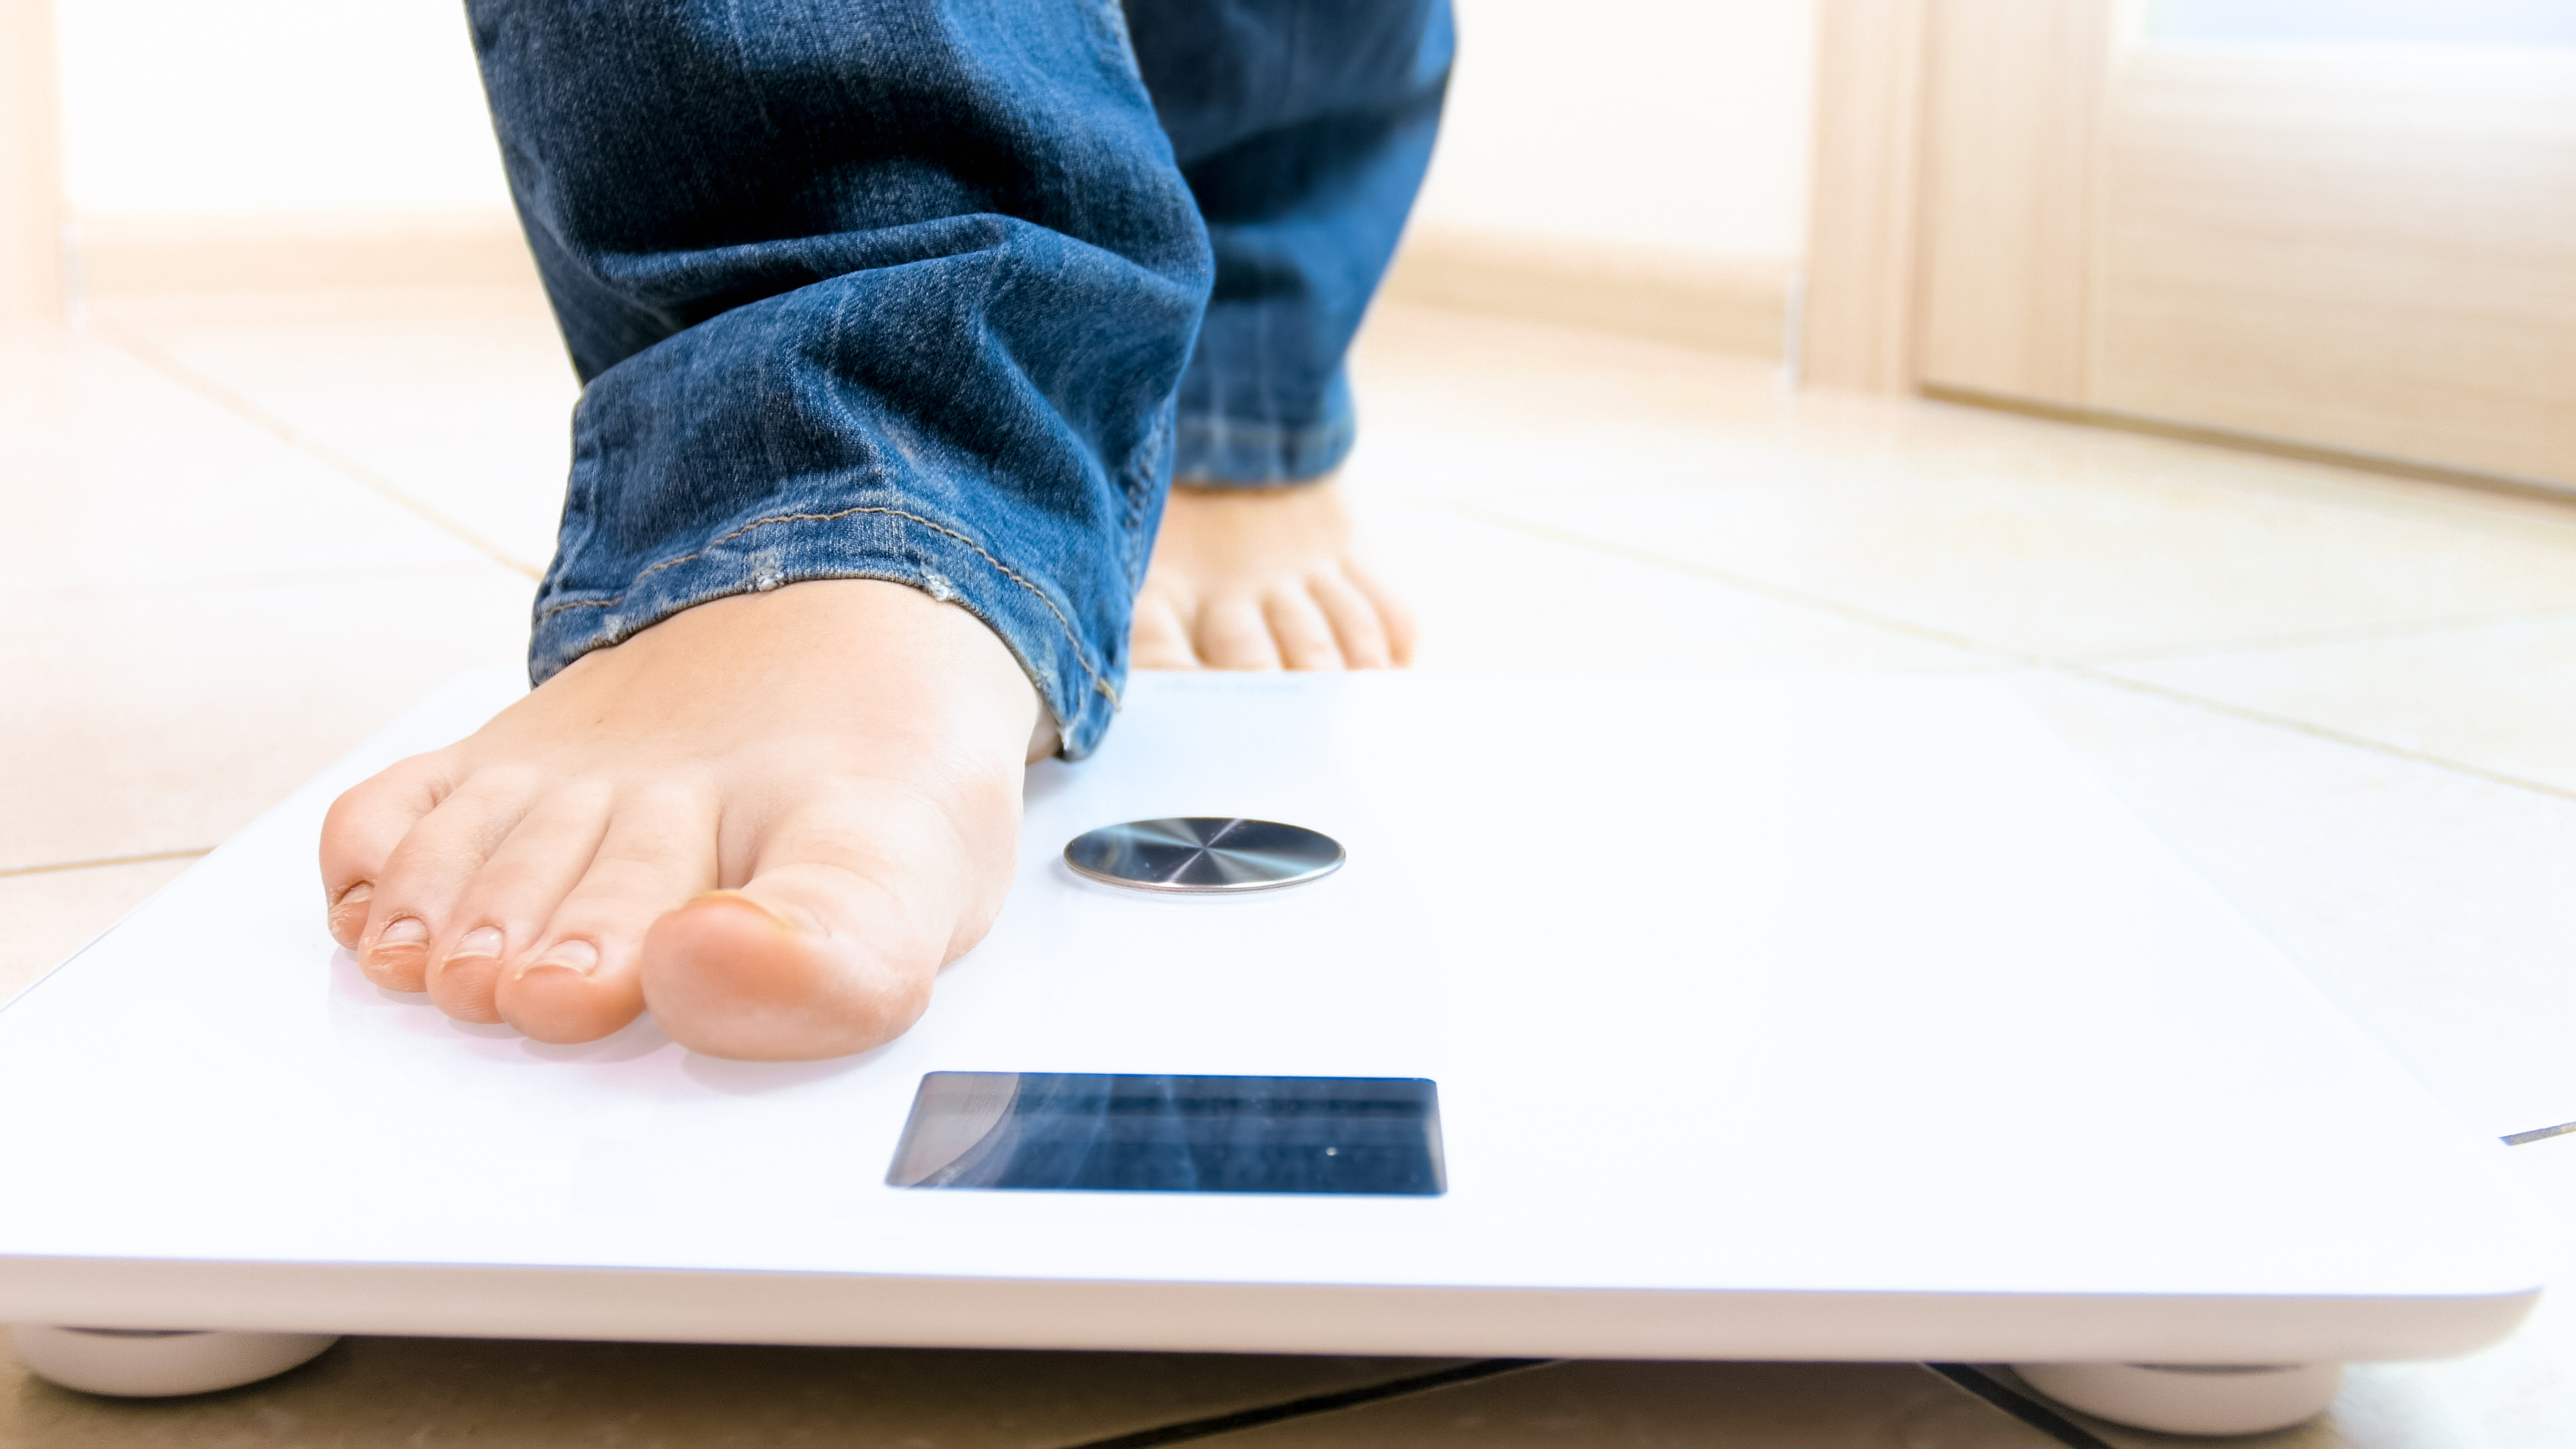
(46, 916)
(2074, 567)
(1492, 597)
(2434, 903)
(462, 400)
(2006, 531)
(1654, 1405)
(138, 724)
(119, 480)
(2499, 696)
(519, 1395)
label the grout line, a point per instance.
(2036, 1413)
(104, 860)
(1314, 1404)
(2540, 1134)
(151, 355)
(2318, 731)
(2070, 667)
(1745, 582)
(2359, 634)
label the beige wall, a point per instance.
(1633, 165)
(266, 141)
(260, 107)
(1636, 164)
(1671, 124)
(1679, 125)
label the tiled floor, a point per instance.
(247, 529)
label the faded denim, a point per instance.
(943, 291)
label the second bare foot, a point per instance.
(1265, 578)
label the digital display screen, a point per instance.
(1093, 1132)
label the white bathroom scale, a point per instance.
(1711, 1017)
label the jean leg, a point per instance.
(889, 289)
(1303, 127)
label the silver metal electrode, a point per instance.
(1199, 855)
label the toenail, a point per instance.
(347, 916)
(481, 941)
(409, 931)
(578, 957)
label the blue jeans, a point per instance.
(945, 292)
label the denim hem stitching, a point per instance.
(1080, 655)
(1221, 450)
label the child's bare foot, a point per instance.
(842, 759)
(1261, 578)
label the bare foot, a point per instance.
(1260, 579)
(839, 762)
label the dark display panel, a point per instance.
(1095, 1132)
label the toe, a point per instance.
(464, 969)
(360, 833)
(1354, 620)
(1392, 615)
(1233, 634)
(754, 979)
(1298, 626)
(1160, 638)
(580, 977)
(415, 894)
(857, 899)
(503, 910)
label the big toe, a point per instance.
(734, 975)
(856, 897)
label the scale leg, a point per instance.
(2190, 1398)
(155, 1363)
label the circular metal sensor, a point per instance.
(1198, 855)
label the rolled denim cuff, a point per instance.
(875, 541)
(1219, 449)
